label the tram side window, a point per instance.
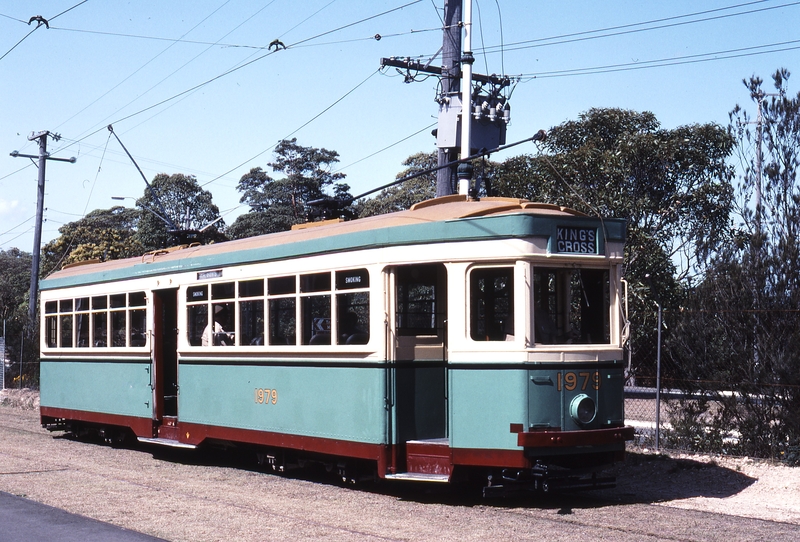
(282, 309)
(196, 313)
(100, 321)
(251, 312)
(222, 330)
(352, 306)
(571, 306)
(315, 308)
(492, 304)
(85, 322)
(138, 319)
(51, 324)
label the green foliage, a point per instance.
(277, 204)
(402, 196)
(178, 199)
(673, 187)
(15, 281)
(740, 330)
(103, 234)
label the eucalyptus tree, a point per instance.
(403, 195)
(175, 209)
(742, 326)
(672, 185)
(277, 204)
(103, 234)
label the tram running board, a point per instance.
(167, 442)
(419, 477)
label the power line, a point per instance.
(240, 66)
(20, 41)
(664, 62)
(17, 226)
(39, 22)
(13, 18)
(69, 9)
(584, 36)
(140, 68)
(428, 127)
(312, 119)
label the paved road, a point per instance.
(29, 521)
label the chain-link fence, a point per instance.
(720, 423)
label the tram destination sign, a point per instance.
(573, 240)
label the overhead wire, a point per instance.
(312, 119)
(38, 24)
(240, 66)
(17, 226)
(672, 61)
(582, 36)
(140, 68)
(298, 44)
(20, 41)
(428, 127)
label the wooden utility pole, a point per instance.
(37, 235)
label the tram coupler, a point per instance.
(543, 479)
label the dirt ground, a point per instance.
(740, 487)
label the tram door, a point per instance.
(165, 354)
(420, 371)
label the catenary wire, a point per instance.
(239, 67)
(673, 61)
(538, 42)
(428, 127)
(312, 119)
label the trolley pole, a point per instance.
(37, 235)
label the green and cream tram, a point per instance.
(455, 340)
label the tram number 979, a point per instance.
(571, 381)
(265, 396)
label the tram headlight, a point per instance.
(583, 409)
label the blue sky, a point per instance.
(190, 86)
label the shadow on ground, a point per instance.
(643, 478)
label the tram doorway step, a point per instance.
(167, 442)
(429, 457)
(168, 428)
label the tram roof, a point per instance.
(445, 219)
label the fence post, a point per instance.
(658, 380)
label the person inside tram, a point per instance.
(215, 333)
(349, 330)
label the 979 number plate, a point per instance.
(572, 380)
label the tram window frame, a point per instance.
(250, 311)
(352, 306)
(571, 305)
(88, 321)
(416, 287)
(315, 308)
(282, 300)
(287, 310)
(491, 314)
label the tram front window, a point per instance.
(571, 306)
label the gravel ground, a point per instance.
(190, 496)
